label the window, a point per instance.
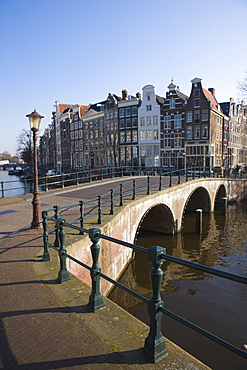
(204, 115)
(76, 134)
(142, 119)
(189, 117)
(155, 120)
(143, 151)
(76, 125)
(134, 111)
(72, 126)
(142, 135)
(167, 140)
(197, 132)
(122, 137)
(80, 124)
(76, 145)
(148, 107)
(122, 123)
(134, 122)
(172, 103)
(121, 112)
(128, 136)
(178, 121)
(80, 133)
(156, 134)
(148, 97)
(189, 132)
(197, 116)
(148, 121)
(204, 131)
(106, 116)
(81, 145)
(128, 122)
(196, 102)
(72, 135)
(134, 135)
(149, 134)
(196, 92)
(167, 121)
(127, 112)
(178, 139)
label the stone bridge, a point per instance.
(161, 211)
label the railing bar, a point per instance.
(79, 262)
(204, 332)
(125, 244)
(124, 288)
(197, 266)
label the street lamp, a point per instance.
(34, 120)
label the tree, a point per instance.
(242, 86)
(25, 146)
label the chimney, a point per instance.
(124, 94)
(212, 90)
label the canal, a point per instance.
(213, 303)
(13, 186)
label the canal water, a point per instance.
(213, 303)
(13, 185)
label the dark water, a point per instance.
(12, 185)
(213, 303)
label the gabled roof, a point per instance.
(62, 107)
(83, 109)
(160, 100)
(213, 102)
(181, 95)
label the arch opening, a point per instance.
(159, 219)
(219, 201)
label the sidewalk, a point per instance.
(46, 325)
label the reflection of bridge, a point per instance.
(160, 211)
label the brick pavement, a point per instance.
(46, 325)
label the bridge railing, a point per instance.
(24, 184)
(94, 209)
(154, 346)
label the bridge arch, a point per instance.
(218, 201)
(198, 198)
(158, 218)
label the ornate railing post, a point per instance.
(56, 210)
(134, 190)
(178, 177)
(112, 202)
(2, 188)
(160, 182)
(99, 210)
(170, 183)
(63, 274)
(96, 301)
(81, 202)
(46, 253)
(154, 343)
(148, 185)
(121, 195)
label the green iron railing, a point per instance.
(67, 179)
(154, 346)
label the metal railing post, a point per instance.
(2, 188)
(63, 274)
(62, 180)
(46, 184)
(160, 182)
(186, 175)
(112, 202)
(81, 202)
(46, 253)
(96, 301)
(56, 216)
(154, 343)
(99, 210)
(121, 195)
(148, 185)
(134, 190)
(178, 176)
(77, 179)
(170, 183)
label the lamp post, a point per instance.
(34, 120)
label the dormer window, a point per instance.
(148, 97)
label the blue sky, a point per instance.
(77, 51)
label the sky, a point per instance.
(78, 51)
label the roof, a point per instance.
(83, 109)
(62, 107)
(160, 100)
(181, 95)
(213, 102)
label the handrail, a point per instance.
(78, 177)
(154, 344)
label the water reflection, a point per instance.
(213, 303)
